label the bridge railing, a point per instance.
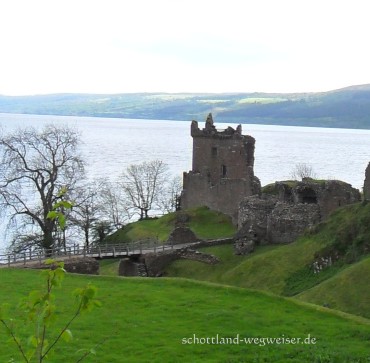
(94, 250)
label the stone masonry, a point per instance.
(287, 209)
(222, 169)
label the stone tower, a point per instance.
(222, 171)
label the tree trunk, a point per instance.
(48, 242)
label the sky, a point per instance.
(118, 46)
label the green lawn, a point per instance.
(147, 320)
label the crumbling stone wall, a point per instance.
(283, 213)
(288, 221)
(222, 169)
(80, 265)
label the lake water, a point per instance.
(110, 145)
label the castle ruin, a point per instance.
(222, 169)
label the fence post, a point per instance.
(141, 248)
(8, 260)
(24, 258)
(114, 251)
(155, 246)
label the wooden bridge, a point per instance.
(94, 251)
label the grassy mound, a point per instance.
(156, 320)
(206, 224)
(286, 269)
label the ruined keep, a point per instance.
(222, 169)
(284, 210)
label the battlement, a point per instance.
(211, 131)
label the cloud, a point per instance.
(197, 45)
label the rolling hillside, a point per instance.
(346, 108)
(159, 320)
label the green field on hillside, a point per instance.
(206, 224)
(285, 269)
(158, 320)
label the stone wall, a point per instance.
(222, 169)
(154, 264)
(80, 265)
(288, 221)
(288, 208)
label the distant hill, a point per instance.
(346, 108)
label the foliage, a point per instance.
(158, 313)
(39, 310)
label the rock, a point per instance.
(182, 235)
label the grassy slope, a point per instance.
(266, 269)
(146, 319)
(206, 224)
(348, 290)
(283, 269)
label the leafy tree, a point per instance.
(143, 184)
(35, 165)
(101, 230)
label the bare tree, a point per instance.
(35, 165)
(303, 170)
(142, 184)
(169, 200)
(86, 208)
(114, 208)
